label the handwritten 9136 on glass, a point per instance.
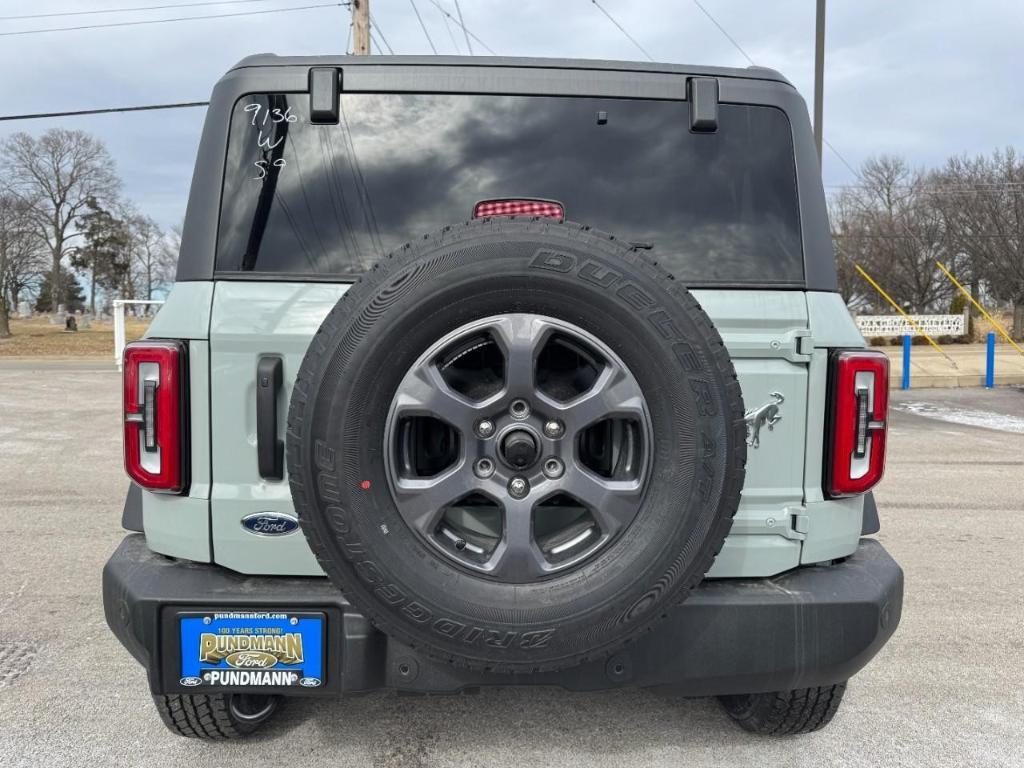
(263, 117)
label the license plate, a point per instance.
(244, 649)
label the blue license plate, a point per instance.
(242, 649)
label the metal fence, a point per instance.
(119, 339)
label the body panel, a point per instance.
(179, 526)
(185, 314)
(761, 330)
(250, 320)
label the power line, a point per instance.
(981, 186)
(451, 35)
(458, 9)
(423, 26)
(166, 21)
(125, 10)
(842, 159)
(376, 42)
(464, 27)
(108, 110)
(739, 48)
(977, 236)
(380, 32)
(722, 30)
(623, 30)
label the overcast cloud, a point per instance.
(921, 79)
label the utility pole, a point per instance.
(819, 76)
(361, 27)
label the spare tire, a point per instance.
(516, 444)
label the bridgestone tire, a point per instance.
(215, 716)
(786, 713)
(406, 303)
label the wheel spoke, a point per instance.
(615, 393)
(422, 500)
(520, 338)
(424, 392)
(517, 557)
(524, 403)
(613, 503)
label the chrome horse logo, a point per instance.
(766, 415)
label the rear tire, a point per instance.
(785, 713)
(216, 716)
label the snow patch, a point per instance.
(966, 416)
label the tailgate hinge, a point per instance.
(804, 343)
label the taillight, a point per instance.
(519, 207)
(154, 415)
(859, 403)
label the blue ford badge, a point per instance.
(270, 524)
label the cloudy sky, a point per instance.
(925, 79)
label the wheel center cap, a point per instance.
(519, 449)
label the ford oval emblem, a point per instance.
(270, 524)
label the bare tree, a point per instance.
(982, 199)
(850, 250)
(895, 231)
(21, 254)
(153, 257)
(58, 173)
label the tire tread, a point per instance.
(201, 716)
(786, 713)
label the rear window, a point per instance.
(330, 200)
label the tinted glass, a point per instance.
(331, 199)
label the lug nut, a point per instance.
(554, 429)
(483, 467)
(518, 487)
(553, 468)
(485, 428)
(519, 409)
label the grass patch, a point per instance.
(37, 337)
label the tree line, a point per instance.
(67, 235)
(898, 221)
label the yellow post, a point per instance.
(981, 309)
(907, 317)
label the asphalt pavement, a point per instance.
(948, 690)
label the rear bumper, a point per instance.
(812, 626)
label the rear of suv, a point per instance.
(502, 372)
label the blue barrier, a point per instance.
(906, 362)
(990, 361)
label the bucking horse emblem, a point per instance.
(766, 415)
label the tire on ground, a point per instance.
(409, 301)
(215, 716)
(785, 713)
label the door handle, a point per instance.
(269, 447)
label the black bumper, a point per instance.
(809, 627)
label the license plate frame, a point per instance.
(272, 651)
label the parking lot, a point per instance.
(948, 690)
